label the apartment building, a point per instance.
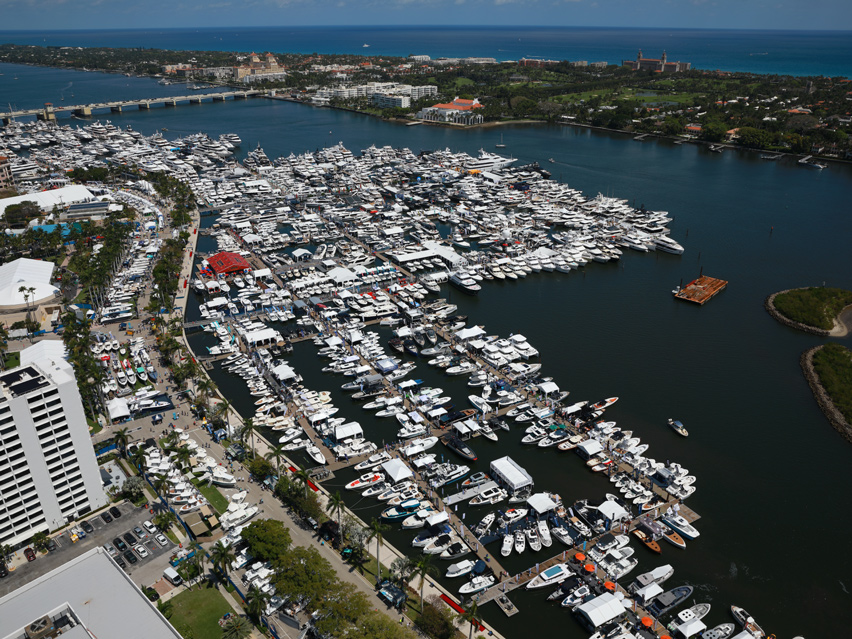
(48, 472)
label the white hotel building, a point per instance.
(48, 472)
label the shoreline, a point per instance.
(832, 414)
(840, 329)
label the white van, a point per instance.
(171, 575)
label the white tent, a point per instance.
(344, 431)
(283, 372)
(590, 448)
(601, 610)
(26, 273)
(541, 503)
(396, 470)
(644, 595)
(548, 387)
(438, 518)
(118, 409)
(469, 333)
(510, 473)
(613, 511)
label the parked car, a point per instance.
(106, 517)
(87, 527)
(29, 553)
(119, 544)
(51, 545)
(115, 512)
(110, 549)
(3, 569)
(120, 562)
(161, 539)
(139, 532)
(141, 550)
(130, 557)
(129, 538)
(151, 528)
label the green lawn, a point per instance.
(216, 499)
(13, 360)
(199, 612)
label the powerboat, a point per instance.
(680, 525)
(747, 622)
(475, 480)
(552, 576)
(364, 481)
(477, 584)
(461, 568)
(508, 542)
(455, 444)
(678, 427)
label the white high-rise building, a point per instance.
(48, 471)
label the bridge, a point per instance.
(49, 111)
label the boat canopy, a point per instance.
(541, 503)
(345, 431)
(645, 594)
(548, 387)
(601, 610)
(397, 470)
(469, 333)
(510, 473)
(438, 518)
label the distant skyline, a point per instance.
(42, 15)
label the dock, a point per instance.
(701, 290)
(469, 493)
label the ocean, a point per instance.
(774, 52)
(770, 468)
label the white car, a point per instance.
(140, 550)
(161, 539)
(151, 528)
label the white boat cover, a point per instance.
(397, 470)
(601, 610)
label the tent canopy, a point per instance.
(118, 409)
(510, 473)
(344, 431)
(548, 387)
(397, 470)
(601, 610)
(541, 503)
(613, 511)
(469, 333)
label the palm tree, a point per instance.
(161, 485)
(164, 520)
(121, 438)
(200, 556)
(472, 616)
(182, 456)
(222, 412)
(236, 627)
(203, 388)
(303, 476)
(256, 601)
(403, 569)
(137, 458)
(276, 453)
(335, 504)
(423, 567)
(222, 557)
(249, 429)
(376, 529)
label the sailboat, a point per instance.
(501, 145)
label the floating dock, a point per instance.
(702, 289)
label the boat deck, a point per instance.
(701, 290)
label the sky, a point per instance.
(42, 15)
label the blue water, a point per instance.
(775, 52)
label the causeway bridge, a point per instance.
(49, 111)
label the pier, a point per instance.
(701, 290)
(49, 111)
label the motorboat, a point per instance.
(316, 454)
(485, 525)
(520, 541)
(455, 550)
(508, 542)
(678, 427)
(489, 496)
(550, 577)
(477, 584)
(576, 597)
(722, 631)
(656, 576)
(514, 514)
(647, 540)
(373, 460)
(532, 538)
(402, 511)
(461, 568)
(440, 544)
(680, 525)
(544, 534)
(364, 481)
(455, 444)
(668, 600)
(223, 478)
(674, 539)
(747, 622)
(475, 480)
(418, 519)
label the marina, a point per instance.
(632, 412)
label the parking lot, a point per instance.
(103, 533)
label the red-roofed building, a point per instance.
(226, 263)
(661, 65)
(458, 111)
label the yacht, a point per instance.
(550, 577)
(465, 283)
